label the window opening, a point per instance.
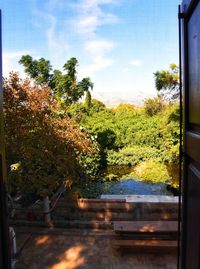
(72, 160)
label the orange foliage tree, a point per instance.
(41, 146)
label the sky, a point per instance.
(119, 44)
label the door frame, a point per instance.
(5, 255)
(187, 9)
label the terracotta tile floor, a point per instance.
(80, 249)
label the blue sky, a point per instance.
(118, 43)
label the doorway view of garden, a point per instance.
(92, 129)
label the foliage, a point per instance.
(154, 106)
(125, 108)
(90, 163)
(167, 82)
(116, 129)
(132, 155)
(79, 110)
(151, 170)
(106, 138)
(88, 100)
(98, 105)
(65, 87)
(171, 134)
(130, 136)
(41, 147)
(52, 146)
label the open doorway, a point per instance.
(126, 140)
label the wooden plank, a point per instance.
(146, 226)
(144, 246)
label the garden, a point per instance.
(58, 135)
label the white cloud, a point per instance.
(98, 46)
(10, 61)
(86, 18)
(97, 50)
(88, 23)
(55, 4)
(90, 16)
(136, 62)
(86, 5)
(57, 42)
(56, 34)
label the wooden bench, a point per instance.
(146, 246)
(146, 227)
(146, 236)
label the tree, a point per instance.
(97, 105)
(153, 106)
(40, 70)
(41, 147)
(86, 84)
(64, 85)
(88, 99)
(167, 82)
(125, 108)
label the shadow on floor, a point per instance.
(82, 249)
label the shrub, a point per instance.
(154, 106)
(132, 155)
(152, 170)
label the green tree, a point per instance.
(97, 106)
(129, 135)
(64, 85)
(167, 82)
(40, 70)
(88, 99)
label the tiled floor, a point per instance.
(80, 249)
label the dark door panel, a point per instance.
(193, 236)
(191, 182)
(194, 66)
(192, 144)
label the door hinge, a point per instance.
(181, 15)
(183, 154)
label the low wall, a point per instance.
(100, 213)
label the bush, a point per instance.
(151, 170)
(132, 155)
(90, 163)
(154, 106)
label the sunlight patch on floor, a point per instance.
(71, 258)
